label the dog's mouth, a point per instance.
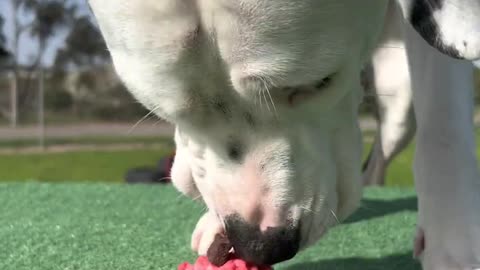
(223, 249)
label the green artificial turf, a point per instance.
(115, 226)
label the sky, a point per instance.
(27, 46)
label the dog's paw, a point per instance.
(204, 234)
(451, 242)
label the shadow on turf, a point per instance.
(378, 208)
(393, 262)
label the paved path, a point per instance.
(144, 129)
(76, 148)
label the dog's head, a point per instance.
(264, 94)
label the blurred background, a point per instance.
(64, 114)
(66, 117)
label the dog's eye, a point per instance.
(298, 95)
(324, 83)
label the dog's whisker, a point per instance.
(393, 47)
(378, 95)
(315, 205)
(261, 102)
(335, 216)
(266, 89)
(273, 103)
(258, 102)
(159, 121)
(181, 196)
(165, 178)
(197, 197)
(266, 101)
(143, 119)
(307, 209)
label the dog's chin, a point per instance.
(315, 224)
(313, 232)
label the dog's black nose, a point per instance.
(267, 247)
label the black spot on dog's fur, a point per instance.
(421, 16)
(422, 19)
(263, 166)
(235, 151)
(221, 106)
(249, 119)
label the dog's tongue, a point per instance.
(219, 252)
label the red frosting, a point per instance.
(202, 263)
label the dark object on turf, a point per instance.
(219, 252)
(165, 165)
(144, 176)
(147, 175)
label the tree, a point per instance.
(50, 16)
(2, 35)
(47, 17)
(5, 57)
(3, 53)
(84, 45)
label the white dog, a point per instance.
(264, 95)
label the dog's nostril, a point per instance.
(262, 248)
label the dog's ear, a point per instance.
(451, 26)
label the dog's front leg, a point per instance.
(446, 172)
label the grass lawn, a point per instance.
(81, 166)
(101, 166)
(110, 166)
(115, 227)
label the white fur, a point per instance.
(209, 66)
(458, 22)
(446, 172)
(465, 36)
